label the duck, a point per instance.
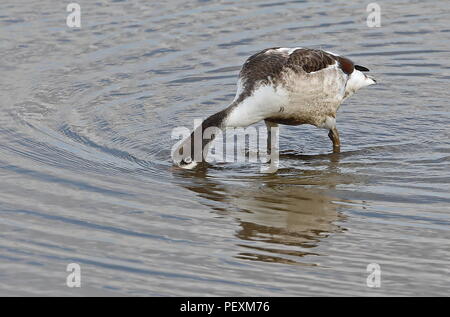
(283, 86)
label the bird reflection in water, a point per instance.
(282, 217)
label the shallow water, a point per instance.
(85, 135)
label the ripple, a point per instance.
(87, 176)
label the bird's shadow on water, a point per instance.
(282, 217)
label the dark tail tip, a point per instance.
(361, 68)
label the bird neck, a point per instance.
(203, 135)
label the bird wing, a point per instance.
(269, 64)
(310, 60)
(260, 68)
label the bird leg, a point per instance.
(273, 155)
(334, 136)
(269, 126)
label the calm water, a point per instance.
(85, 135)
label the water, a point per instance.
(86, 176)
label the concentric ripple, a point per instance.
(85, 140)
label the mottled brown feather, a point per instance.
(309, 60)
(259, 68)
(264, 65)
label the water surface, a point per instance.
(85, 135)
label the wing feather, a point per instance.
(269, 64)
